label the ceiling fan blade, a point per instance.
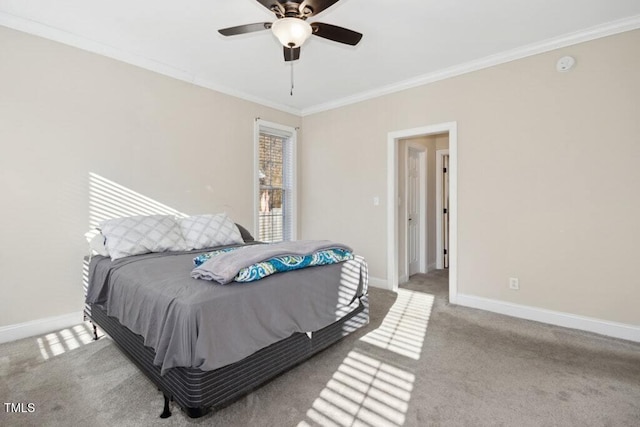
(317, 6)
(335, 33)
(273, 6)
(291, 54)
(243, 29)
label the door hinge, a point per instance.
(445, 251)
(444, 210)
(444, 170)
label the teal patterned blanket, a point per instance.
(271, 265)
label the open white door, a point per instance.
(442, 209)
(413, 210)
(445, 210)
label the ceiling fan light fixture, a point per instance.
(292, 32)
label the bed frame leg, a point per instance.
(95, 332)
(166, 413)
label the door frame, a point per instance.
(439, 248)
(422, 206)
(392, 201)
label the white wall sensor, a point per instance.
(565, 64)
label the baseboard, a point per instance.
(39, 326)
(375, 282)
(567, 320)
(403, 279)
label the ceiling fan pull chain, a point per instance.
(291, 56)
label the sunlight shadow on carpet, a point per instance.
(57, 343)
(366, 391)
(404, 327)
(363, 392)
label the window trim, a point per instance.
(264, 126)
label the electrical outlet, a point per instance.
(514, 283)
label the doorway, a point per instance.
(394, 201)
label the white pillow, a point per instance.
(136, 235)
(207, 231)
(96, 242)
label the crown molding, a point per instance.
(592, 33)
(245, 96)
(51, 33)
(70, 39)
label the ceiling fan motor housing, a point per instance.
(291, 10)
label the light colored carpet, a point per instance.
(421, 362)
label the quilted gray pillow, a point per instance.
(136, 235)
(208, 231)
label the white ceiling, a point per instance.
(406, 42)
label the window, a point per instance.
(275, 179)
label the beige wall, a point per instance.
(540, 196)
(66, 113)
(547, 183)
(442, 141)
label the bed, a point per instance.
(204, 344)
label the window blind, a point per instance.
(275, 172)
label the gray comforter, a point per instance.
(205, 325)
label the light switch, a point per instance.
(376, 201)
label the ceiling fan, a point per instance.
(292, 28)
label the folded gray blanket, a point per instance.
(225, 266)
